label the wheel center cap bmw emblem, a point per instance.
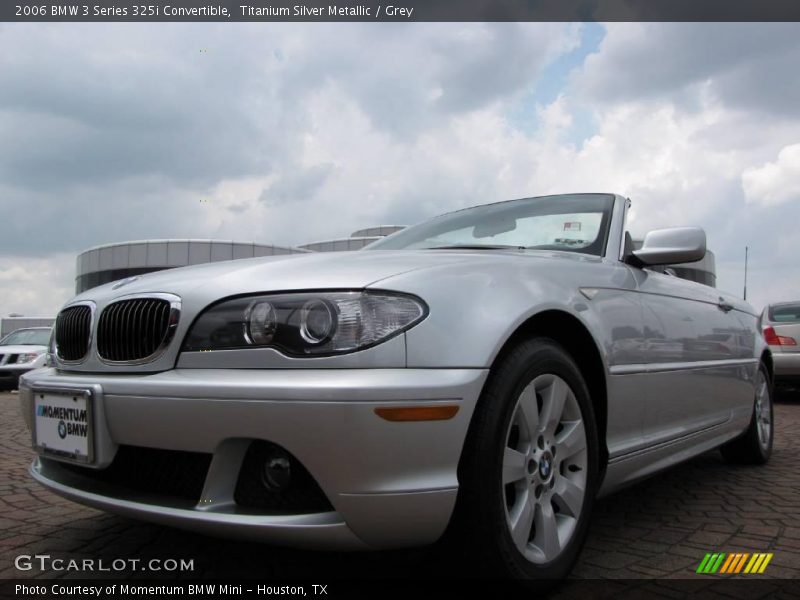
(62, 429)
(125, 281)
(545, 466)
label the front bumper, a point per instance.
(9, 375)
(391, 484)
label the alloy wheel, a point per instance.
(763, 411)
(544, 469)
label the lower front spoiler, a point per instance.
(10, 379)
(389, 484)
(320, 531)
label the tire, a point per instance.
(754, 446)
(513, 486)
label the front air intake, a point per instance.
(73, 332)
(137, 329)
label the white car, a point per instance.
(21, 351)
(781, 326)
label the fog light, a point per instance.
(276, 472)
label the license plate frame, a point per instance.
(60, 397)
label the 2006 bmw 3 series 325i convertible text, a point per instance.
(485, 374)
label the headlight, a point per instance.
(50, 359)
(28, 358)
(315, 323)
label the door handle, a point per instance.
(724, 305)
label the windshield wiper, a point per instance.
(477, 247)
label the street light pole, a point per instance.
(746, 248)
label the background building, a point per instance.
(111, 262)
(377, 232)
(702, 271)
(338, 245)
(356, 241)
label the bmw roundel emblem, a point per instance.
(545, 464)
(62, 429)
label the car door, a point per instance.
(694, 370)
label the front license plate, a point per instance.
(63, 424)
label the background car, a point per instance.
(781, 326)
(21, 351)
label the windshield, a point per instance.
(27, 337)
(575, 223)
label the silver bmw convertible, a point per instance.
(484, 375)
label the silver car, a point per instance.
(781, 327)
(484, 375)
(21, 351)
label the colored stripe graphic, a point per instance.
(740, 564)
(722, 563)
(703, 564)
(716, 565)
(711, 563)
(734, 563)
(767, 558)
(727, 564)
(749, 567)
(758, 563)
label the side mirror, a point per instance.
(672, 246)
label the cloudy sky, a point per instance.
(290, 133)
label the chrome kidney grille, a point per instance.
(137, 329)
(73, 332)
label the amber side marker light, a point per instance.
(418, 413)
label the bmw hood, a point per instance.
(24, 349)
(200, 285)
(330, 270)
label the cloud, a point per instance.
(744, 65)
(290, 133)
(297, 186)
(36, 286)
(776, 182)
(130, 127)
(700, 107)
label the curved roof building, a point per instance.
(378, 231)
(702, 271)
(338, 245)
(110, 262)
(103, 264)
(356, 241)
